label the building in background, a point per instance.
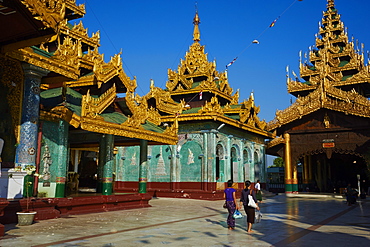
(219, 138)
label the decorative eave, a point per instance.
(325, 97)
(51, 13)
(249, 120)
(103, 72)
(78, 11)
(164, 102)
(215, 116)
(275, 142)
(92, 120)
(52, 64)
(296, 86)
(169, 136)
(61, 112)
(140, 111)
(92, 107)
(93, 125)
(247, 112)
(78, 32)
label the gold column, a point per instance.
(288, 164)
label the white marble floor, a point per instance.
(187, 222)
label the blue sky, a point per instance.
(155, 34)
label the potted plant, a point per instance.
(26, 216)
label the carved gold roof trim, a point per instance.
(213, 106)
(80, 9)
(217, 117)
(276, 141)
(100, 126)
(61, 112)
(247, 115)
(91, 121)
(163, 99)
(92, 107)
(325, 96)
(140, 111)
(78, 32)
(27, 55)
(103, 72)
(50, 12)
(92, 125)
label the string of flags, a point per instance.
(231, 63)
(256, 40)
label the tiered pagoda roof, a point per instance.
(74, 62)
(335, 78)
(197, 91)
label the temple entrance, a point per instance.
(82, 172)
(334, 174)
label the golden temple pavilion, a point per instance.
(61, 116)
(219, 139)
(326, 130)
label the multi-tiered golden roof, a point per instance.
(334, 78)
(197, 91)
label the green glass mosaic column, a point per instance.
(62, 161)
(204, 161)
(107, 178)
(253, 162)
(143, 166)
(227, 161)
(101, 163)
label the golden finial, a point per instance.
(196, 22)
(330, 3)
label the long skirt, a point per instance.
(231, 208)
(251, 213)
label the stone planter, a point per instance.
(25, 218)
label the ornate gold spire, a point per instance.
(343, 63)
(196, 73)
(335, 77)
(196, 22)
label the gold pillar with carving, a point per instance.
(288, 165)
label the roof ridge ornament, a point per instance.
(331, 4)
(196, 32)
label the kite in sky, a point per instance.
(256, 40)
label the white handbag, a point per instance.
(251, 202)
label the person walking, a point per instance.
(231, 205)
(349, 195)
(250, 211)
(257, 186)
